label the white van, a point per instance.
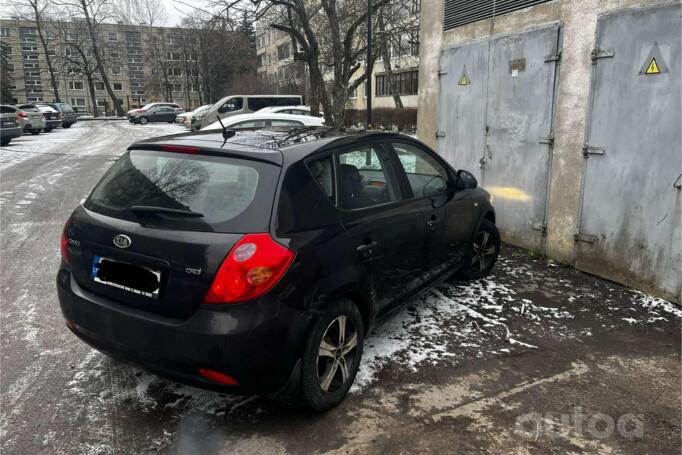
(240, 104)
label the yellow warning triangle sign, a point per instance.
(653, 67)
(464, 80)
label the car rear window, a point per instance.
(233, 195)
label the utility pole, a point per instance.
(368, 65)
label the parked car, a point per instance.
(66, 113)
(176, 107)
(10, 124)
(296, 110)
(257, 263)
(52, 117)
(35, 121)
(154, 114)
(240, 104)
(265, 120)
(183, 118)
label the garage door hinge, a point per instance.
(547, 140)
(541, 227)
(441, 73)
(553, 57)
(601, 53)
(440, 134)
(590, 150)
(580, 237)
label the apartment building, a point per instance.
(276, 65)
(133, 74)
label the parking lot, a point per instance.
(537, 358)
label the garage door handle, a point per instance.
(366, 247)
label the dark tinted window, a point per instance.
(425, 174)
(233, 195)
(363, 180)
(323, 173)
(29, 108)
(258, 103)
(7, 110)
(286, 101)
(233, 104)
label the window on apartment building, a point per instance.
(99, 85)
(176, 87)
(173, 56)
(75, 85)
(51, 52)
(77, 102)
(33, 83)
(4, 32)
(30, 65)
(283, 51)
(30, 57)
(29, 48)
(113, 36)
(353, 92)
(7, 50)
(260, 60)
(114, 55)
(175, 72)
(405, 83)
(118, 86)
(10, 68)
(34, 99)
(415, 6)
(116, 70)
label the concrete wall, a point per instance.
(578, 19)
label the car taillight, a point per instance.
(253, 266)
(65, 244)
(61, 115)
(17, 121)
(22, 114)
(217, 376)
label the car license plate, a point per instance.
(133, 278)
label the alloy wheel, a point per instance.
(483, 251)
(336, 354)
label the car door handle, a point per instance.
(366, 247)
(433, 222)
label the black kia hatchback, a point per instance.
(258, 263)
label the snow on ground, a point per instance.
(79, 135)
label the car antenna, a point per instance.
(227, 134)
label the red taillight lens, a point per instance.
(253, 266)
(61, 115)
(22, 114)
(217, 376)
(65, 244)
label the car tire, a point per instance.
(35, 132)
(326, 378)
(143, 120)
(67, 125)
(47, 130)
(5, 140)
(485, 249)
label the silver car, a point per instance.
(10, 125)
(35, 122)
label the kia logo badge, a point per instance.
(122, 241)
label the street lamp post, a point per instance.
(368, 65)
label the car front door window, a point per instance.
(425, 174)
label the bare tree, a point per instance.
(6, 79)
(93, 13)
(141, 12)
(38, 12)
(331, 38)
(78, 56)
(398, 35)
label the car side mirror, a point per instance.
(222, 109)
(465, 180)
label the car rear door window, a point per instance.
(232, 195)
(425, 174)
(323, 173)
(363, 179)
(286, 123)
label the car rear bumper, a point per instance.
(12, 132)
(53, 123)
(257, 343)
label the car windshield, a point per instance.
(232, 195)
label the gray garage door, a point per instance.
(496, 110)
(630, 221)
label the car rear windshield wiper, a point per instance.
(142, 209)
